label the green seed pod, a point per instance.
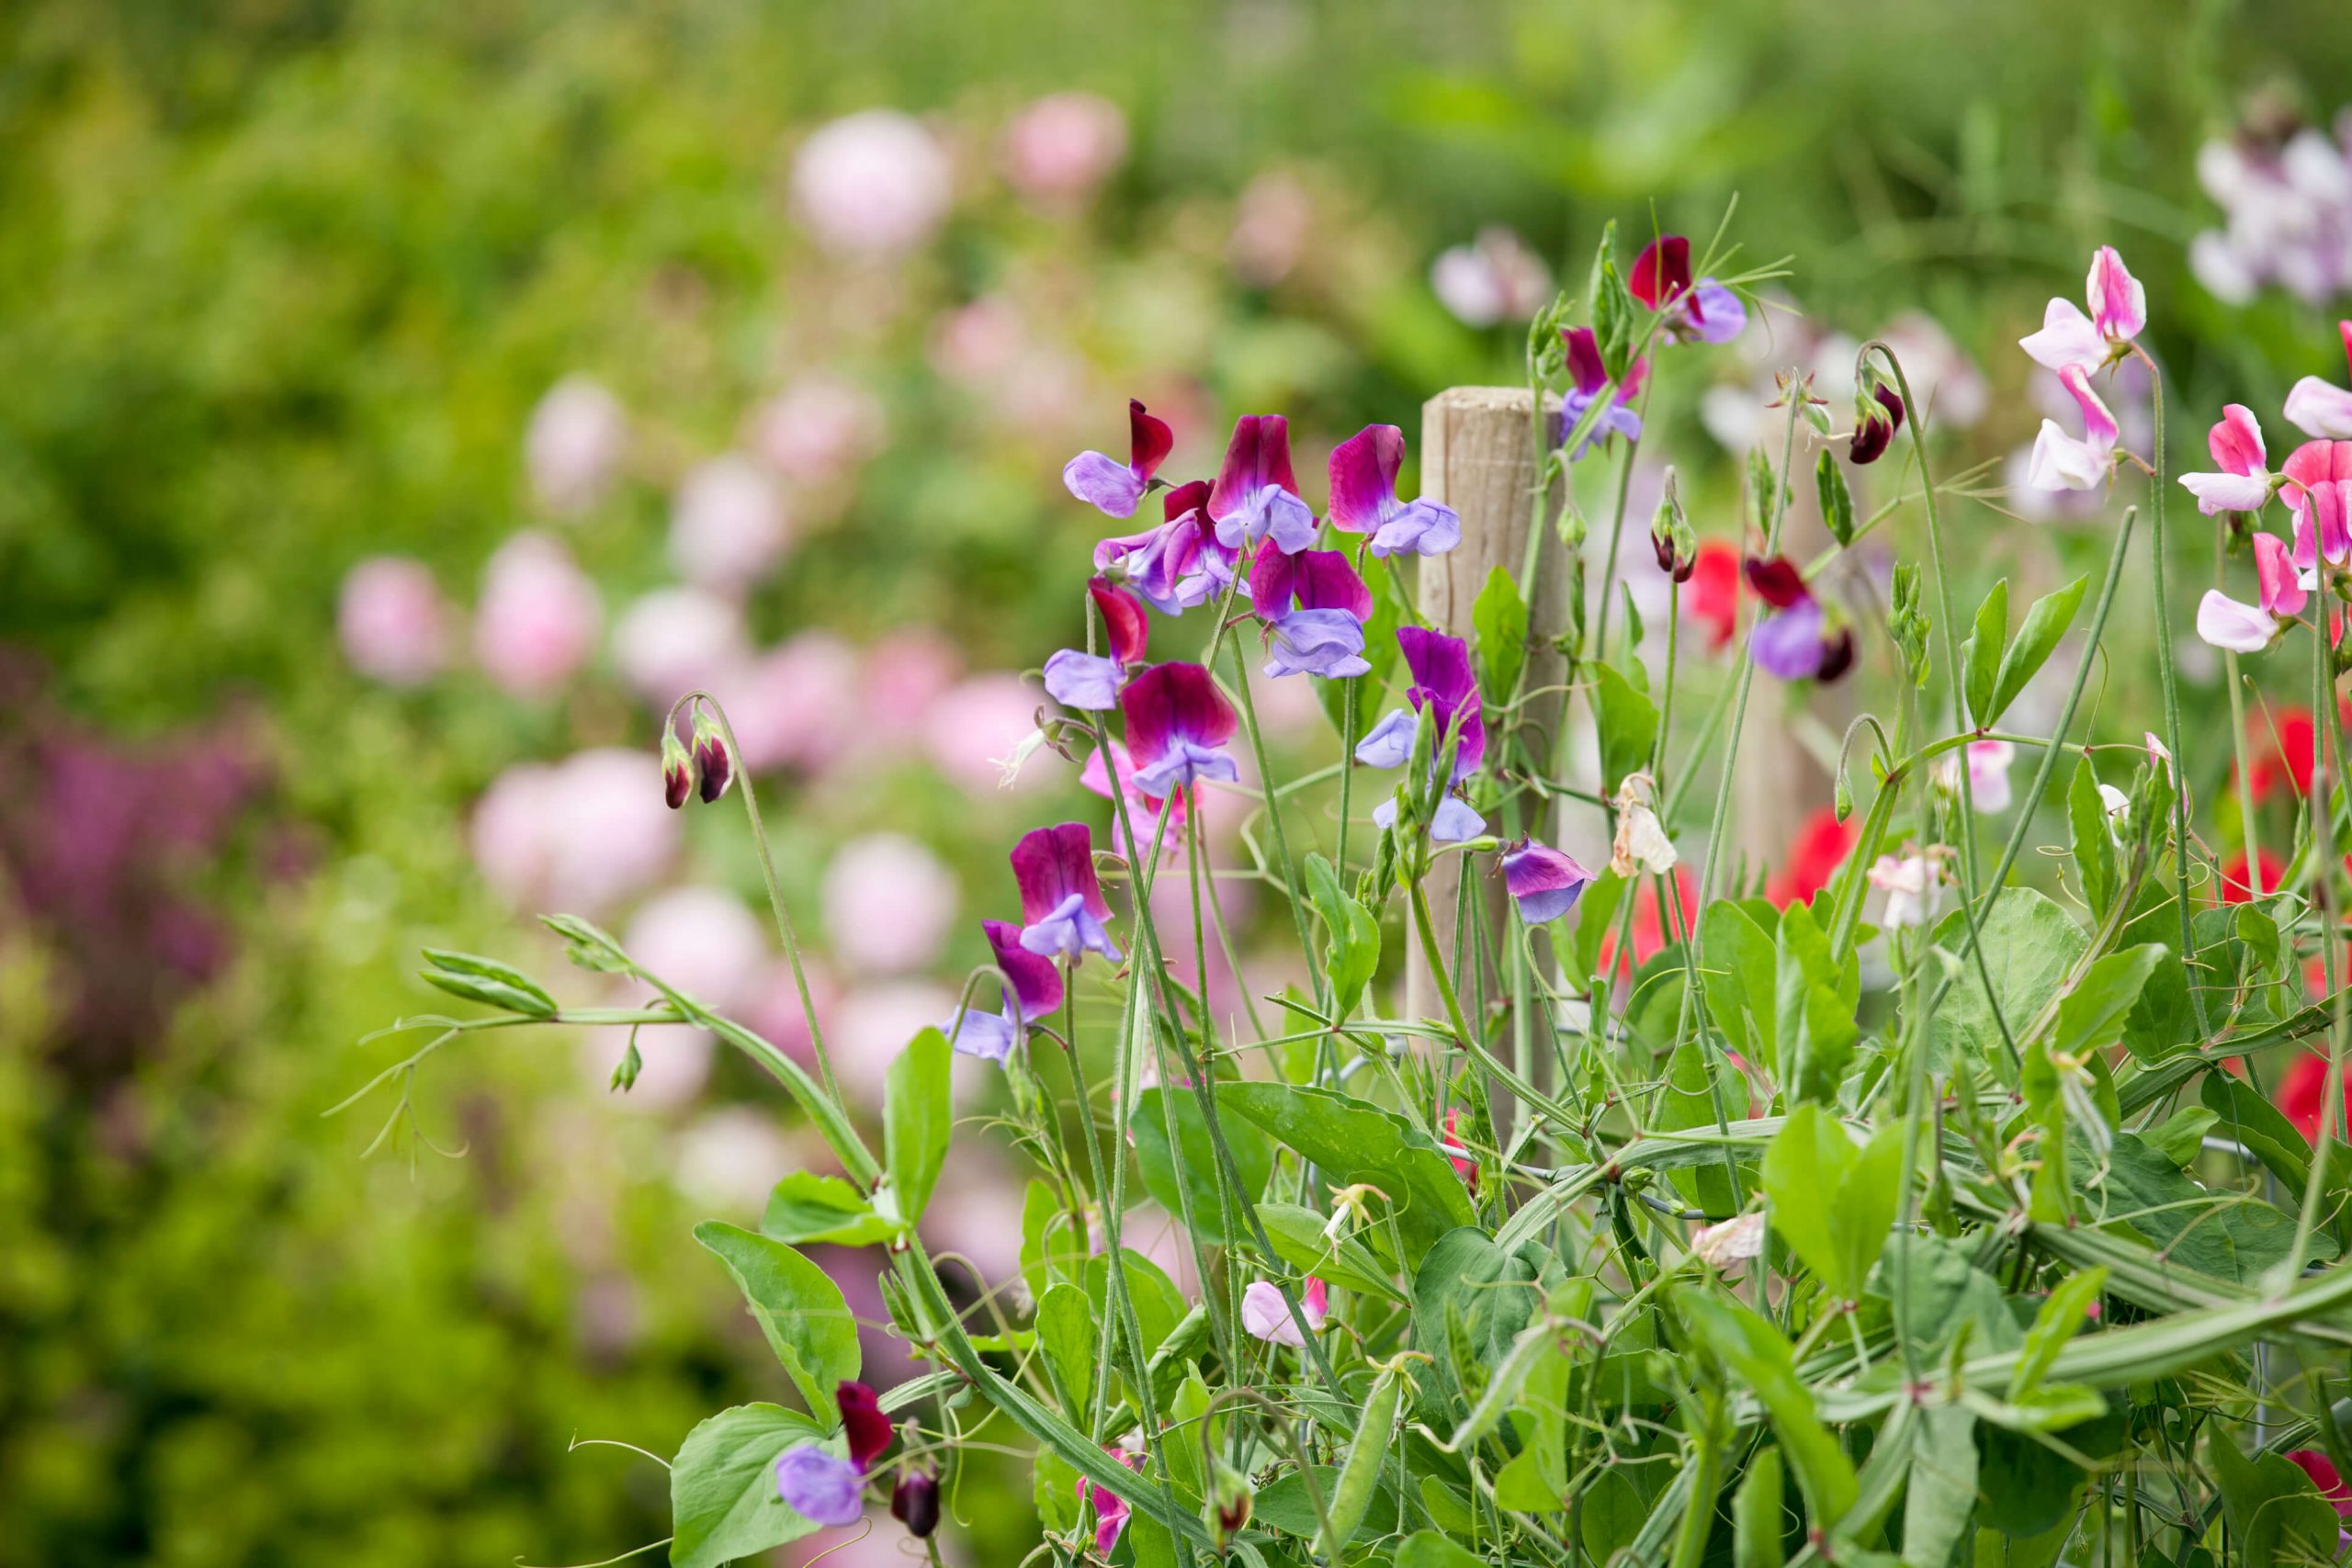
(1360, 1473)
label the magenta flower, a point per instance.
(863, 1423)
(1545, 882)
(1113, 487)
(2119, 313)
(2319, 492)
(1062, 909)
(1589, 377)
(2320, 409)
(1707, 311)
(1314, 607)
(1110, 1508)
(1440, 666)
(1143, 806)
(1255, 497)
(1364, 498)
(1033, 990)
(819, 1485)
(1177, 723)
(2244, 483)
(1178, 564)
(1077, 679)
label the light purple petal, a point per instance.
(1069, 930)
(820, 1486)
(1183, 763)
(1389, 743)
(1545, 882)
(1083, 681)
(1788, 645)
(1424, 528)
(988, 1035)
(1315, 642)
(1454, 822)
(1104, 483)
(1713, 313)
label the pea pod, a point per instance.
(1360, 1473)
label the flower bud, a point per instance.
(1877, 416)
(712, 758)
(1230, 1499)
(914, 1501)
(677, 771)
(1670, 536)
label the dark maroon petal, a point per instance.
(1837, 655)
(1036, 983)
(1124, 620)
(1584, 359)
(1364, 478)
(1148, 441)
(1872, 436)
(914, 1502)
(1327, 581)
(1051, 863)
(863, 1423)
(1662, 546)
(1258, 456)
(1174, 702)
(1661, 272)
(1188, 497)
(1776, 582)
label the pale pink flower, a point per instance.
(796, 705)
(2319, 408)
(577, 836)
(906, 671)
(538, 616)
(2226, 624)
(573, 448)
(728, 525)
(1910, 884)
(392, 622)
(1059, 148)
(730, 1158)
(870, 183)
(1989, 773)
(702, 941)
(2244, 483)
(1736, 1240)
(1272, 227)
(2119, 313)
(977, 723)
(819, 430)
(889, 903)
(979, 341)
(872, 1025)
(1496, 279)
(674, 640)
(1266, 1316)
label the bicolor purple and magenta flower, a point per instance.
(1180, 564)
(1545, 882)
(1313, 606)
(1178, 723)
(1444, 685)
(1797, 640)
(1091, 682)
(1588, 379)
(1704, 311)
(1063, 913)
(1364, 500)
(1256, 496)
(1032, 984)
(825, 1487)
(1113, 487)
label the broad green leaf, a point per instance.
(1159, 1305)
(1830, 1202)
(1066, 1329)
(1814, 998)
(2092, 1013)
(1298, 1240)
(1737, 974)
(2029, 943)
(1189, 1170)
(1537, 1479)
(2273, 1511)
(1427, 1549)
(1352, 1140)
(1491, 1294)
(1352, 933)
(917, 1119)
(1053, 1244)
(1690, 1101)
(2163, 1021)
(2060, 1316)
(1597, 918)
(2044, 625)
(1980, 656)
(2242, 1114)
(1627, 720)
(1759, 1513)
(1499, 619)
(806, 1207)
(1836, 501)
(723, 1502)
(800, 1311)
(1284, 1503)
(2181, 1136)
(2226, 1235)
(1754, 1352)
(1940, 1498)
(2093, 844)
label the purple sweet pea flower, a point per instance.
(1255, 497)
(1545, 882)
(820, 1486)
(1661, 280)
(1389, 743)
(1062, 909)
(1589, 375)
(1364, 498)
(1079, 679)
(1177, 724)
(1452, 823)
(1794, 642)
(1112, 487)
(1178, 565)
(1032, 989)
(1442, 677)
(1323, 635)
(1328, 643)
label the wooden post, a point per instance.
(1478, 456)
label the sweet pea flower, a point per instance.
(2318, 409)
(1110, 1508)
(1454, 820)
(1113, 487)
(1059, 148)
(1641, 843)
(1590, 377)
(1062, 908)
(1712, 596)
(1032, 984)
(2226, 624)
(1143, 808)
(1815, 854)
(574, 447)
(392, 622)
(1988, 775)
(2117, 806)
(1390, 742)
(1796, 642)
(1442, 681)
(1265, 1316)
(2321, 1470)
(2302, 1092)
(1364, 498)
(1177, 724)
(1465, 1165)
(1496, 279)
(872, 183)
(2119, 314)
(864, 1427)
(1708, 312)
(1077, 679)
(2244, 483)
(2319, 493)
(2061, 461)
(1909, 883)
(1314, 607)
(1875, 423)
(819, 1485)
(538, 617)
(1736, 1240)
(1546, 881)
(1178, 565)
(1256, 496)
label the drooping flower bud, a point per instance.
(677, 771)
(1877, 416)
(1670, 535)
(712, 760)
(1230, 1499)
(914, 1501)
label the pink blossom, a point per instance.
(393, 621)
(578, 437)
(889, 903)
(2287, 211)
(1272, 227)
(871, 184)
(1266, 1316)
(538, 616)
(796, 705)
(819, 429)
(2281, 588)
(906, 672)
(674, 640)
(872, 1026)
(577, 836)
(979, 341)
(2244, 483)
(1496, 279)
(2119, 313)
(704, 942)
(2237, 629)
(727, 526)
(977, 724)
(2319, 408)
(1060, 147)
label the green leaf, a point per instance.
(2163, 1021)
(1498, 620)
(588, 944)
(806, 1207)
(2092, 1012)
(1753, 1350)
(2029, 944)
(723, 1502)
(1980, 656)
(2094, 843)
(1427, 1548)
(1352, 1141)
(1283, 1505)
(1190, 1170)
(2060, 1316)
(2244, 1114)
(1351, 951)
(1596, 920)
(1066, 1329)
(802, 1311)
(1690, 1101)
(1815, 998)
(502, 976)
(2044, 625)
(1488, 1292)
(1736, 976)
(917, 1118)
(1298, 1240)
(2226, 1235)
(1836, 501)
(1830, 1202)
(1627, 720)
(1758, 1512)
(1941, 1496)
(491, 993)
(1159, 1305)
(2273, 1511)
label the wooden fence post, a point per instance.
(1478, 456)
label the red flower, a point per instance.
(1464, 1166)
(1821, 846)
(2302, 1094)
(2315, 1465)
(1712, 596)
(2287, 757)
(2234, 888)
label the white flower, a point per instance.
(1734, 1240)
(1641, 843)
(1910, 885)
(2119, 810)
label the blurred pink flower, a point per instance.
(1059, 148)
(796, 705)
(889, 903)
(702, 941)
(817, 431)
(1270, 228)
(873, 1025)
(538, 616)
(728, 525)
(1496, 279)
(578, 436)
(977, 1210)
(674, 1063)
(729, 1157)
(673, 639)
(577, 836)
(874, 183)
(906, 672)
(393, 621)
(979, 341)
(774, 1013)
(979, 723)
(1943, 377)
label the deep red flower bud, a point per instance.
(914, 1502)
(677, 771)
(863, 1423)
(1874, 428)
(1776, 582)
(712, 760)
(1837, 655)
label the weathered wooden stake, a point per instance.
(1478, 456)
